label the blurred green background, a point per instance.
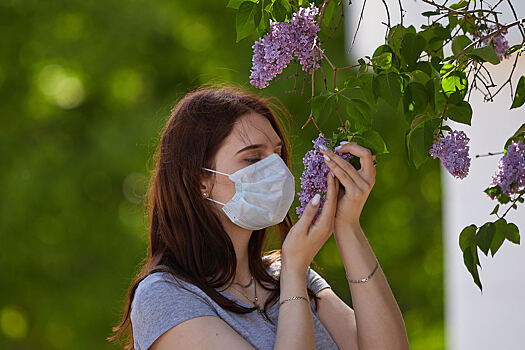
(86, 88)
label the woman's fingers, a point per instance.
(303, 224)
(335, 161)
(366, 158)
(327, 215)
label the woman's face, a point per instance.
(252, 139)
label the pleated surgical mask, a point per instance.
(264, 192)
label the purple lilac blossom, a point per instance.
(511, 169)
(453, 152)
(498, 41)
(305, 29)
(314, 176)
(273, 52)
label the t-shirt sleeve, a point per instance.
(315, 281)
(159, 305)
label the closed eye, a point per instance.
(253, 160)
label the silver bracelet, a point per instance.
(366, 278)
(292, 298)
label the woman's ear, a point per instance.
(205, 188)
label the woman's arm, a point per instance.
(338, 318)
(295, 328)
(379, 321)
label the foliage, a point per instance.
(409, 73)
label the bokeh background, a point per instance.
(86, 88)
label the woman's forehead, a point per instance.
(254, 128)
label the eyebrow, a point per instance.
(257, 145)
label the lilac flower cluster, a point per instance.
(498, 41)
(453, 152)
(511, 169)
(314, 176)
(273, 52)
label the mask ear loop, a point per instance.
(213, 200)
(215, 171)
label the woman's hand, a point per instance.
(304, 240)
(357, 183)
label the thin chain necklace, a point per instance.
(260, 311)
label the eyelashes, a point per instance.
(253, 160)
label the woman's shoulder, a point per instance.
(161, 283)
(162, 301)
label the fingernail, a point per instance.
(337, 148)
(323, 147)
(316, 199)
(343, 142)
(326, 157)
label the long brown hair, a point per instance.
(186, 237)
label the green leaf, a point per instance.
(321, 105)
(461, 112)
(499, 236)
(415, 98)
(411, 48)
(467, 237)
(396, 35)
(421, 138)
(279, 11)
(441, 32)
(459, 5)
(359, 112)
(512, 233)
(519, 96)
(383, 61)
(257, 16)
(361, 87)
(452, 21)
(484, 54)
(454, 80)
(264, 24)
(245, 19)
(431, 13)
(484, 236)
(372, 140)
(431, 87)
(495, 210)
(459, 43)
(328, 14)
(518, 135)
(513, 49)
(388, 87)
(471, 261)
(234, 4)
(380, 58)
(406, 143)
(426, 67)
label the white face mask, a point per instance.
(264, 192)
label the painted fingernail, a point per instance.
(326, 157)
(337, 148)
(343, 142)
(316, 199)
(323, 147)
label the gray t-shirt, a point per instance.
(160, 304)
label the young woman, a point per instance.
(222, 180)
